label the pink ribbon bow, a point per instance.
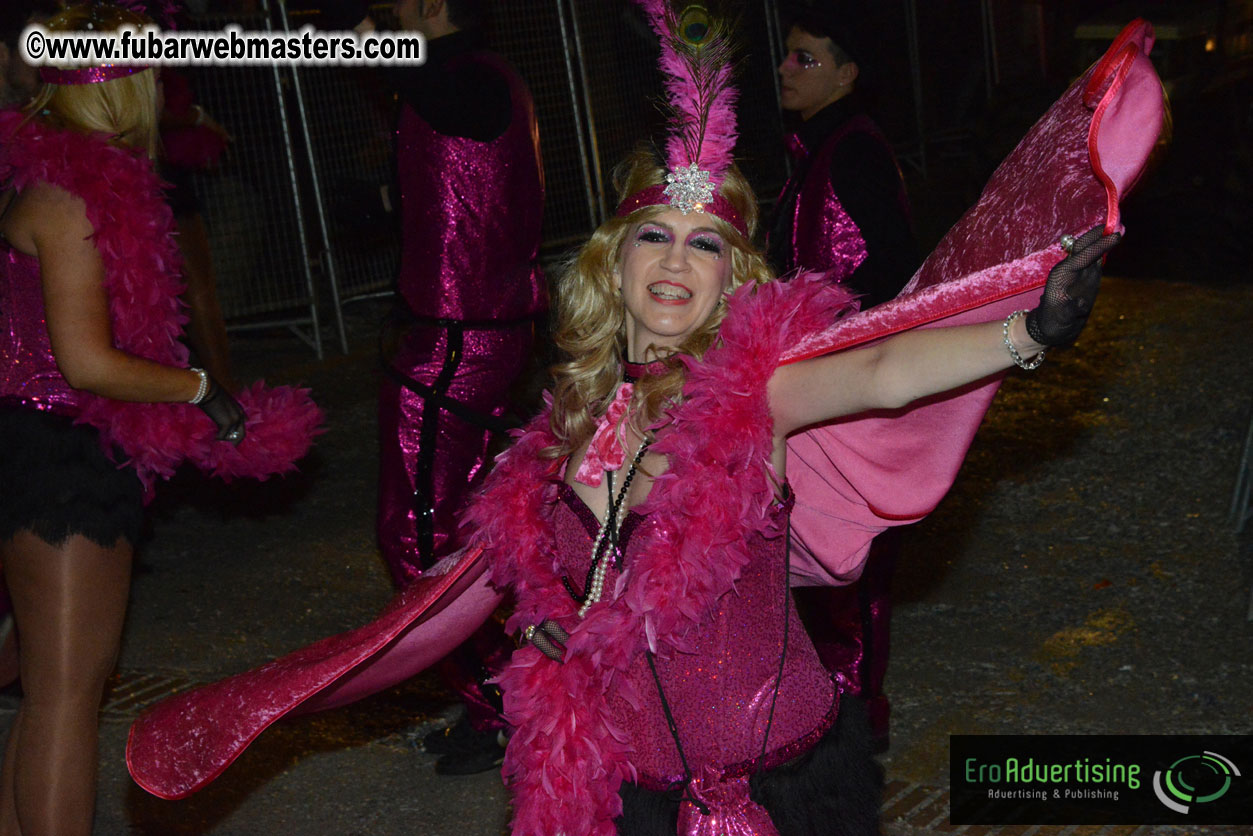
(606, 452)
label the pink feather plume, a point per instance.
(699, 91)
(163, 12)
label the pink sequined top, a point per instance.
(720, 693)
(28, 372)
(471, 214)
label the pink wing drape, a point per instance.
(186, 741)
(853, 478)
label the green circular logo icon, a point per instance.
(1194, 779)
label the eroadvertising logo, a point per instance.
(1101, 779)
(1209, 772)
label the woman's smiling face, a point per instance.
(672, 271)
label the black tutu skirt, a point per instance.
(56, 481)
(833, 789)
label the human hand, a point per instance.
(1071, 290)
(549, 638)
(224, 411)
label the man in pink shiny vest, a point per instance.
(844, 211)
(469, 296)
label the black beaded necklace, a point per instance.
(607, 537)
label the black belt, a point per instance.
(441, 399)
(409, 316)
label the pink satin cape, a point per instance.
(1067, 175)
(853, 477)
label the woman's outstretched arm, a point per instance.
(904, 368)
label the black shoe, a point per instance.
(471, 755)
(442, 741)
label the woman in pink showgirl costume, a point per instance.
(642, 520)
(96, 402)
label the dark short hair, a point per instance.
(15, 16)
(467, 14)
(838, 21)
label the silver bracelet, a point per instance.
(203, 388)
(1035, 362)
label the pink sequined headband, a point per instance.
(660, 196)
(87, 75)
(696, 61)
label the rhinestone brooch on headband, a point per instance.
(689, 188)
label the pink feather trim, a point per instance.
(566, 760)
(142, 264)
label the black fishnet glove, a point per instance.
(224, 411)
(1071, 290)
(549, 639)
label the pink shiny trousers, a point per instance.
(440, 406)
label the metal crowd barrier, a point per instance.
(292, 210)
(251, 199)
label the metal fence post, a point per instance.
(591, 179)
(253, 212)
(326, 256)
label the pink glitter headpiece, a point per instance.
(107, 13)
(88, 75)
(696, 61)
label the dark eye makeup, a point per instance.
(703, 241)
(805, 59)
(708, 243)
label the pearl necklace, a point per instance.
(594, 585)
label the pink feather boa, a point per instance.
(134, 235)
(566, 760)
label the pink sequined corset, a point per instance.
(471, 214)
(720, 693)
(28, 372)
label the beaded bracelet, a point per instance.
(203, 388)
(1035, 362)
